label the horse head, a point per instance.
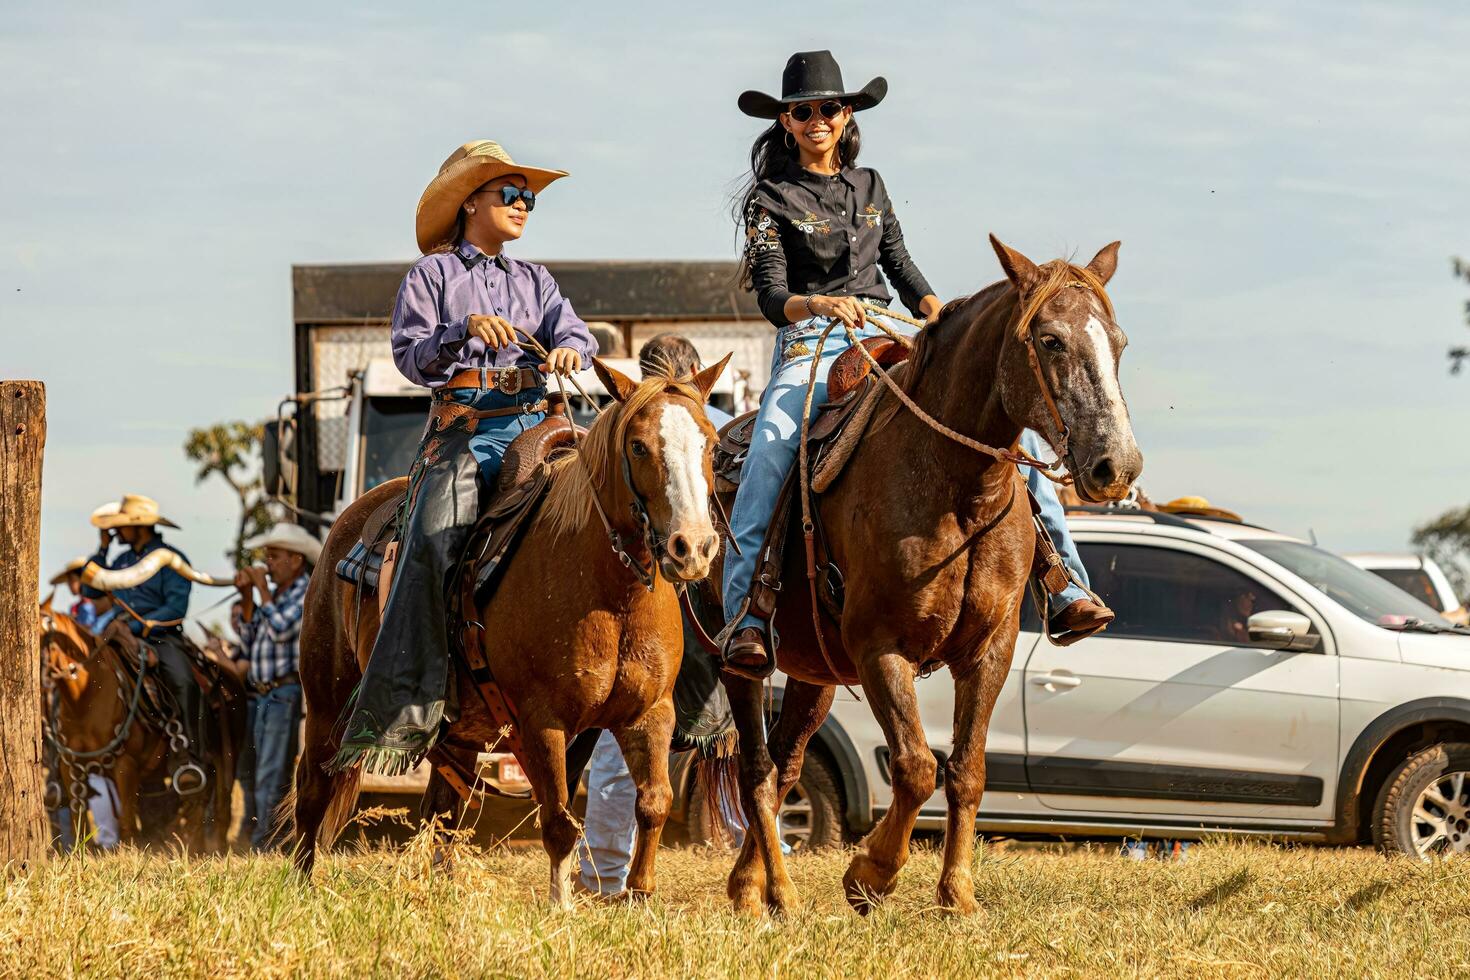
(662, 441)
(66, 646)
(1060, 369)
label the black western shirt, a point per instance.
(812, 234)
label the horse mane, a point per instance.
(568, 504)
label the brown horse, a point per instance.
(572, 637)
(936, 544)
(101, 720)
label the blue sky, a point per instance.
(1289, 182)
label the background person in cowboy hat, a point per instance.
(817, 231)
(454, 330)
(84, 609)
(155, 609)
(270, 632)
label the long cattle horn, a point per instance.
(113, 580)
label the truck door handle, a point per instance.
(1053, 681)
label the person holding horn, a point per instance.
(818, 230)
(154, 611)
(457, 328)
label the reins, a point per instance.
(1025, 326)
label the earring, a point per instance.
(790, 141)
(469, 210)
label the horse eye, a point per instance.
(638, 448)
(1052, 342)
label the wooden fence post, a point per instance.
(23, 827)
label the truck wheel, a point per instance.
(810, 817)
(1423, 809)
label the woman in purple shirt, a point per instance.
(454, 331)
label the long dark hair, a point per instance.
(769, 155)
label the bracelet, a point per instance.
(809, 311)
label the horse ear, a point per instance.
(46, 606)
(618, 384)
(1105, 262)
(705, 380)
(1018, 269)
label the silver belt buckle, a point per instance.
(509, 381)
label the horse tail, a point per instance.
(345, 789)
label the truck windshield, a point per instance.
(391, 431)
(1361, 593)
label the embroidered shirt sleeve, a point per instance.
(893, 254)
(766, 258)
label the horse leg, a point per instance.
(975, 692)
(645, 748)
(441, 807)
(546, 767)
(888, 680)
(803, 709)
(760, 868)
(125, 780)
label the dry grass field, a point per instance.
(1231, 910)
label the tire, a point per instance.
(1423, 809)
(810, 816)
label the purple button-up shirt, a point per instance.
(443, 290)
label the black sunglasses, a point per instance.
(802, 111)
(510, 193)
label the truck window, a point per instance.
(392, 428)
(1414, 581)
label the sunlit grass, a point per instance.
(1232, 909)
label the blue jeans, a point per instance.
(1054, 519)
(277, 733)
(773, 443)
(493, 436)
(611, 827)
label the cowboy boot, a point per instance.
(1080, 620)
(746, 655)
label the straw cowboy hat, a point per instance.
(467, 168)
(290, 537)
(809, 76)
(106, 510)
(134, 510)
(73, 567)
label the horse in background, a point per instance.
(101, 717)
(572, 637)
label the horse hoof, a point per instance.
(958, 898)
(864, 886)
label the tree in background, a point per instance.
(1446, 539)
(1459, 354)
(231, 450)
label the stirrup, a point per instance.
(741, 670)
(189, 779)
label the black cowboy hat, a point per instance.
(811, 75)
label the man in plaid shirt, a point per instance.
(270, 633)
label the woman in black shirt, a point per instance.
(817, 230)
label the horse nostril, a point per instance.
(1103, 472)
(710, 546)
(679, 546)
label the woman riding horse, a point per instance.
(817, 229)
(455, 331)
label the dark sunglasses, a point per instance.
(510, 193)
(802, 111)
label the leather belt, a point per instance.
(507, 381)
(282, 681)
